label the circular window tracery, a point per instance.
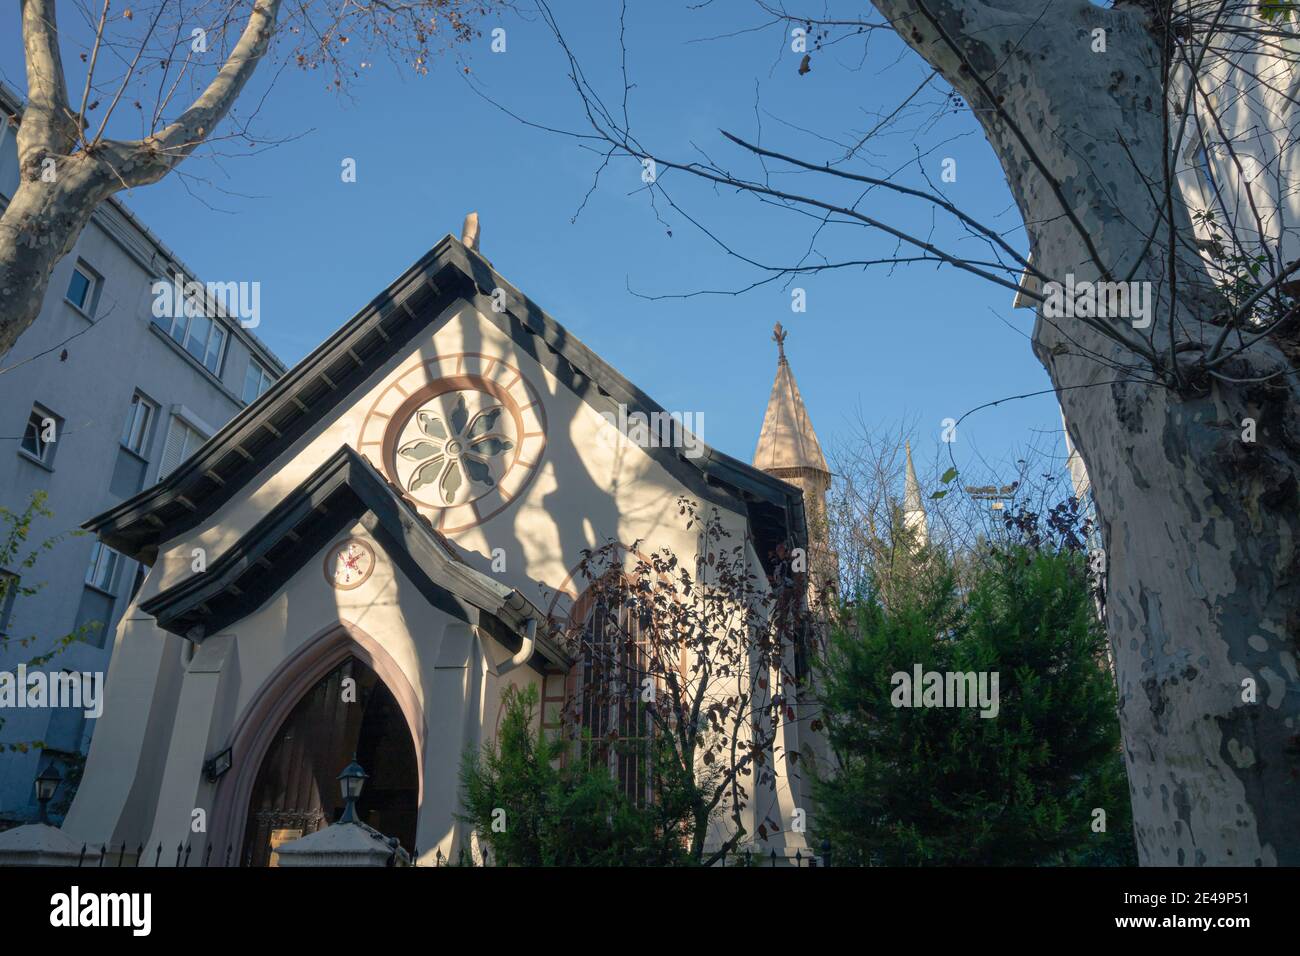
(456, 447)
(459, 434)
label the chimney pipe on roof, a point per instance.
(469, 232)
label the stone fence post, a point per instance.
(343, 844)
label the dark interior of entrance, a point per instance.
(349, 711)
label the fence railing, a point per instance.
(107, 856)
(799, 858)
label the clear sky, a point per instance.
(916, 343)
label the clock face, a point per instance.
(349, 563)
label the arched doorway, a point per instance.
(348, 711)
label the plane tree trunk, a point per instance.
(1201, 525)
(65, 170)
(39, 227)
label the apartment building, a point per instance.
(101, 397)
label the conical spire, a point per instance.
(913, 507)
(787, 440)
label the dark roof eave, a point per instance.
(297, 400)
(246, 425)
(344, 489)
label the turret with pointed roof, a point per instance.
(787, 442)
(788, 449)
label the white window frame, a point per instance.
(179, 329)
(44, 455)
(264, 381)
(87, 305)
(135, 433)
(101, 574)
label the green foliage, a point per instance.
(571, 815)
(72, 767)
(19, 557)
(1238, 274)
(945, 786)
(1274, 10)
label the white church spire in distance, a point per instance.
(913, 508)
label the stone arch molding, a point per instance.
(276, 697)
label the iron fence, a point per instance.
(107, 855)
(110, 857)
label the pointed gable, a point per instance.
(329, 382)
(787, 441)
(344, 490)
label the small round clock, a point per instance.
(348, 563)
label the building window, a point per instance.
(615, 727)
(182, 441)
(103, 567)
(1203, 167)
(139, 419)
(8, 594)
(205, 340)
(201, 336)
(81, 287)
(256, 381)
(41, 436)
(67, 725)
(94, 614)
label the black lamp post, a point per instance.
(351, 782)
(47, 781)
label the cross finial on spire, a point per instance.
(778, 336)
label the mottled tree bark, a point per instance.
(64, 175)
(1201, 527)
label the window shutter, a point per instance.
(174, 448)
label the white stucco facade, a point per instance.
(444, 632)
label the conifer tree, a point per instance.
(942, 785)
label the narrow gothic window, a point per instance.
(613, 678)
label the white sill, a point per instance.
(78, 309)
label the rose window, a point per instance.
(456, 447)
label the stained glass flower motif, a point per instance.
(455, 453)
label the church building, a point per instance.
(361, 561)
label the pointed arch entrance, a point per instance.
(348, 712)
(291, 784)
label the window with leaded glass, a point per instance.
(612, 678)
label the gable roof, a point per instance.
(345, 489)
(315, 386)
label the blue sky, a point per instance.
(914, 343)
